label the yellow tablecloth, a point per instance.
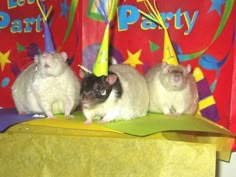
(49, 149)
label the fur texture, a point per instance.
(47, 86)
(172, 90)
(128, 102)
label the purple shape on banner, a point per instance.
(211, 113)
(9, 117)
(203, 89)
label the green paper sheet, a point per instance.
(150, 124)
(154, 123)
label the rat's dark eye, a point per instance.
(97, 87)
(177, 71)
(103, 92)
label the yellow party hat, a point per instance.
(101, 64)
(169, 55)
(100, 67)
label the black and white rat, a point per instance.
(47, 86)
(172, 89)
(121, 95)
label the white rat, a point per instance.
(47, 86)
(122, 95)
(172, 90)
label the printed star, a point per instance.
(216, 5)
(133, 59)
(64, 9)
(4, 59)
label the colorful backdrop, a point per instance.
(202, 33)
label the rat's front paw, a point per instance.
(23, 113)
(50, 117)
(88, 122)
(102, 121)
(175, 115)
(69, 116)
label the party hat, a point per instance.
(48, 42)
(101, 64)
(169, 55)
(100, 67)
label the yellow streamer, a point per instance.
(112, 10)
(45, 17)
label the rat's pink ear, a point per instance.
(64, 55)
(163, 64)
(164, 67)
(82, 73)
(36, 59)
(111, 79)
(188, 68)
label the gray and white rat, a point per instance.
(121, 95)
(172, 90)
(47, 86)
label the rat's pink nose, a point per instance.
(176, 78)
(45, 55)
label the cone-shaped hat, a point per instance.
(101, 64)
(169, 55)
(100, 67)
(48, 42)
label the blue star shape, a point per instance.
(64, 9)
(216, 5)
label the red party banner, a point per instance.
(22, 37)
(202, 34)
